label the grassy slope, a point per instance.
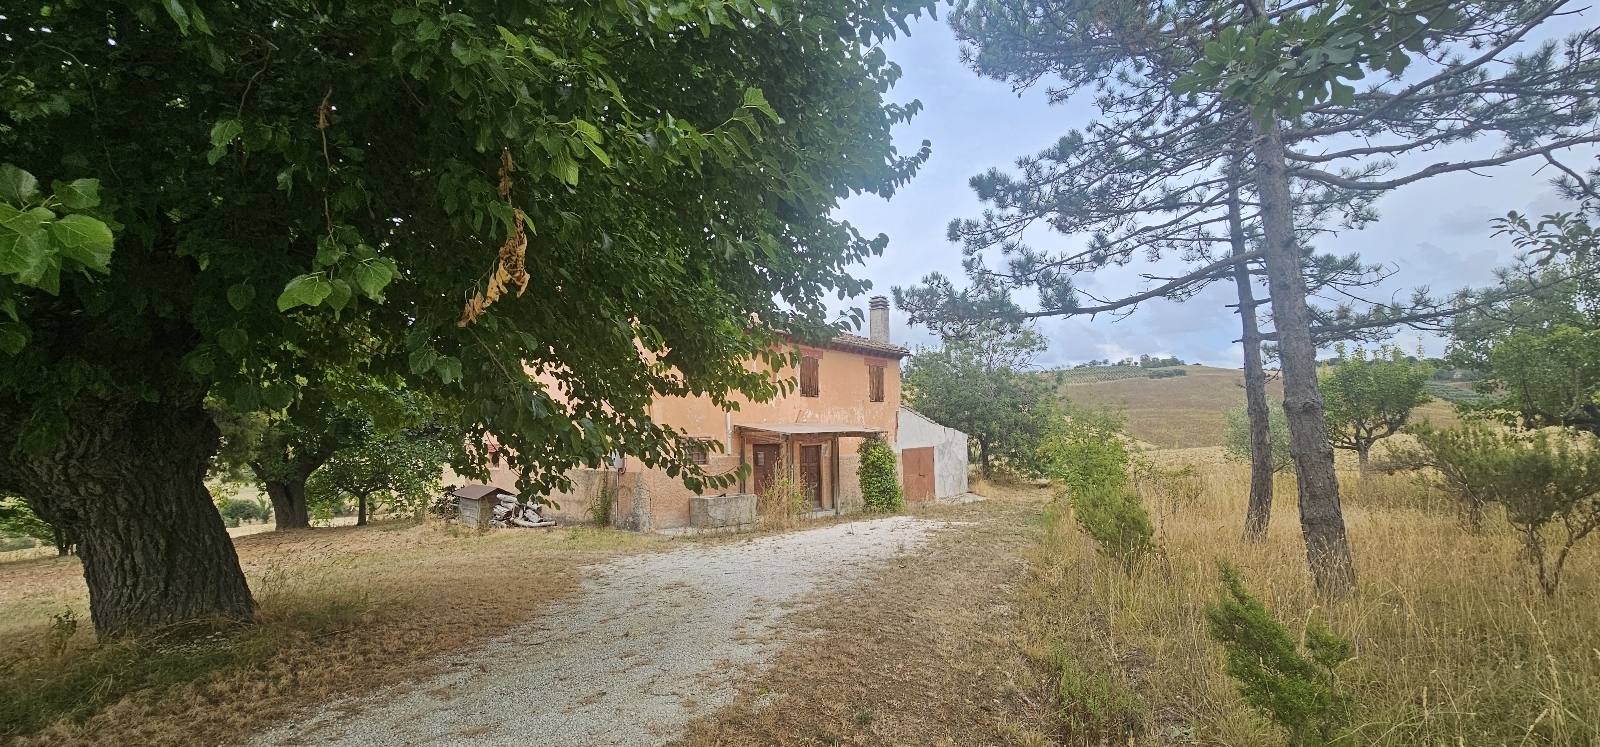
(1187, 411)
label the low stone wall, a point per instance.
(733, 510)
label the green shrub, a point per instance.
(236, 510)
(1086, 450)
(1548, 481)
(17, 519)
(1237, 440)
(1116, 520)
(1086, 453)
(1294, 690)
(880, 486)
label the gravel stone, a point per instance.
(649, 642)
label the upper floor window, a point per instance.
(699, 452)
(810, 385)
(875, 383)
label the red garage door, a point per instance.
(918, 466)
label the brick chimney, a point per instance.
(878, 318)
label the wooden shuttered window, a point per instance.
(810, 384)
(875, 383)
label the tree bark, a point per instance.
(1259, 513)
(1362, 455)
(1321, 517)
(126, 482)
(289, 509)
(983, 456)
(285, 471)
(361, 510)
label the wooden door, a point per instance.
(811, 474)
(765, 457)
(918, 467)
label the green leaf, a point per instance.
(329, 252)
(599, 154)
(564, 168)
(588, 131)
(372, 278)
(755, 99)
(77, 194)
(340, 295)
(509, 38)
(240, 295)
(22, 255)
(422, 360)
(16, 185)
(449, 369)
(225, 131)
(179, 15)
(278, 396)
(233, 340)
(199, 19)
(84, 239)
(246, 398)
(403, 16)
(13, 337)
(306, 290)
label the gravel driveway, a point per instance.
(651, 641)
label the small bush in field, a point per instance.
(880, 486)
(1297, 691)
(1548, 481)
(1086, 453)
(1086, 449)
(1116, 520)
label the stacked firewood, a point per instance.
(509, 513)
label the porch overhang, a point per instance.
(823, 430)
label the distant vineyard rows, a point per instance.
(1113, 373)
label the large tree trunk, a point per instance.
(289, 510)
(1321, 517)
(126, 481)
(361, 511)
(1259, 513)
(284, 467)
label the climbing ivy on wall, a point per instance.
(880, 486)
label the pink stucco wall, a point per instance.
(649, 499)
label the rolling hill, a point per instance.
(1187, 411)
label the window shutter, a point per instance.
(875, 383)
(809, 385)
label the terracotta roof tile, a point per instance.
(862, 344)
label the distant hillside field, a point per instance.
(1184, 412)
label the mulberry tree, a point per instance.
(548, 213)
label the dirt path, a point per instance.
(924, 653)
(652, 642)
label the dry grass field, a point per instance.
(1455, 644)
(1183, 412)
(342, 610)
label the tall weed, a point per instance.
(1455, 643)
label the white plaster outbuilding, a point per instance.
(933, 458)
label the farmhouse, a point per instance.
(848, 390)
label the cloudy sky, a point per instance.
(1434, 233)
